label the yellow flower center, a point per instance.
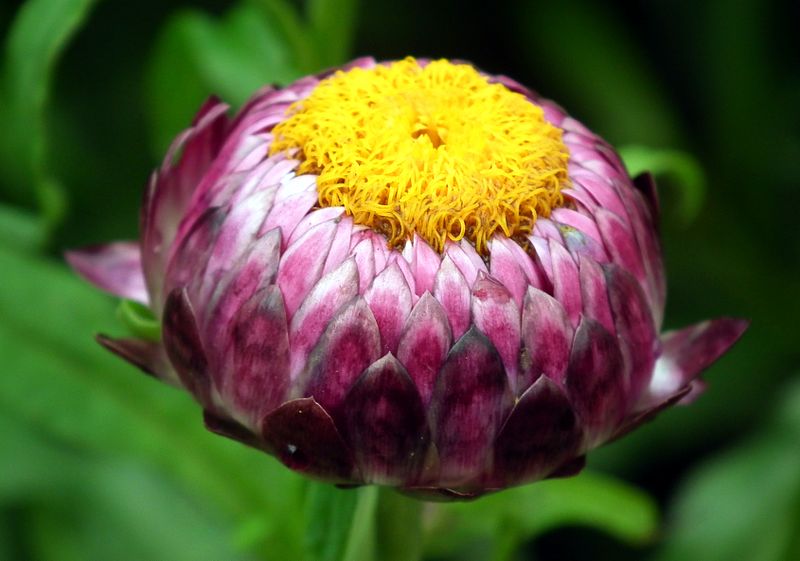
(435, 150)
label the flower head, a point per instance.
(410, 274)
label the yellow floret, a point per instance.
(434, 149)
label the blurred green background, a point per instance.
(99, 463)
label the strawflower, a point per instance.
(411, 274)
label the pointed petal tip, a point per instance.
(570, 468)
(230, 429)
(694, 390)
(349, 344)
(423, 346)
(697, 347)
(539, 436)
(736, 326)
(595, 380)
(547, 335)
(470, 401)
(184, 346)
(384, 422)
(115, 267)
(303, 436)
(259, 354)
(141, 354)
(687, 353)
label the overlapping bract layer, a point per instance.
(446, 375)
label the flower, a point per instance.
(411, 274)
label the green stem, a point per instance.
(361, 539)
(365, 524)
(398, 528)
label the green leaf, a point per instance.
(139, 320)
(333, 25)
(61, 382)
(293, 30)
(122, 511)
(743, 505)
(27, 460)
(174, 86)
(591, 57)
(92, 507)
(39, 34)
(340, 523)
(196, 55)
(20, 230)
(680, 169)
(505, 520)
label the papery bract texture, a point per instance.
(447, 372)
